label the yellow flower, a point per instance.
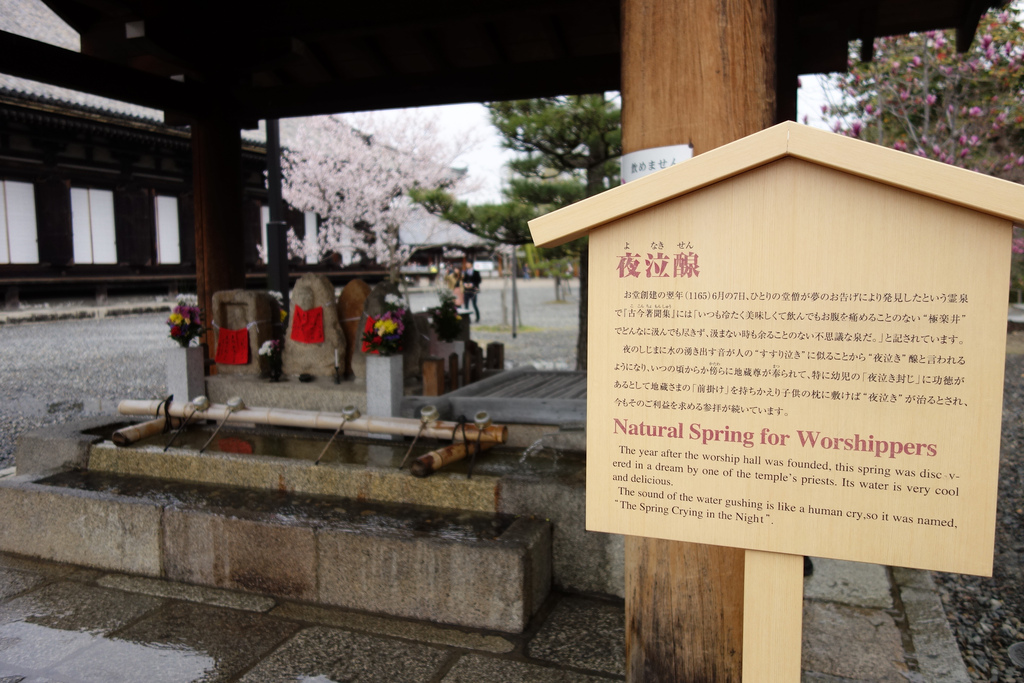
(176, 318)
(284, 314)
(386, 327)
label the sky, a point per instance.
(487, 159)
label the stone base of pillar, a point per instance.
(384, 387)
(185, 373)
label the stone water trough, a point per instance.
(254, 513)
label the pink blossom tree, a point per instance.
(920, 95)
(356, 175)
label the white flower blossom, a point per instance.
(356, 175)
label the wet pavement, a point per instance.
(65, 624)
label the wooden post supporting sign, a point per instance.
(698, 73)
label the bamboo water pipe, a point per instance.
(312, 419)
(428, 463)
(126, 436)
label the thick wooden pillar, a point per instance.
(701, 73)
(217, 182)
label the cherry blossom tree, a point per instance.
(920, 95)
(356, 173)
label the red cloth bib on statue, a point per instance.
(232, 346)
(308, 326)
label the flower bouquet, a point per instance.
(184, 321)
(382, 335)
(445, 318)
(281, 310)
(271, 350)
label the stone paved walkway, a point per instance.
(64, 624)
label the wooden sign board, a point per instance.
(795, 358)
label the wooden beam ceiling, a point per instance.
(306, 57)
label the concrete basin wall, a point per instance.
(583, 561)
(80, 527)
(495, 583)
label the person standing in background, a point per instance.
(471, 285)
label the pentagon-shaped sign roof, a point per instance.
(899, 169)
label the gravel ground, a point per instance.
(54, 372)
(986, 613)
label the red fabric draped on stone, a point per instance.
(308, 326)
(234, 445)
(232, 346)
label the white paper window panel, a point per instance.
(81, 225)
(5, 253)
(264, 219)
(22, 238)
(168, 243)
(312, 252)
(104, 244)
(92, 225)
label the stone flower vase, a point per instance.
(384, 386)
(185, 373)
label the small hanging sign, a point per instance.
(646, 161)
